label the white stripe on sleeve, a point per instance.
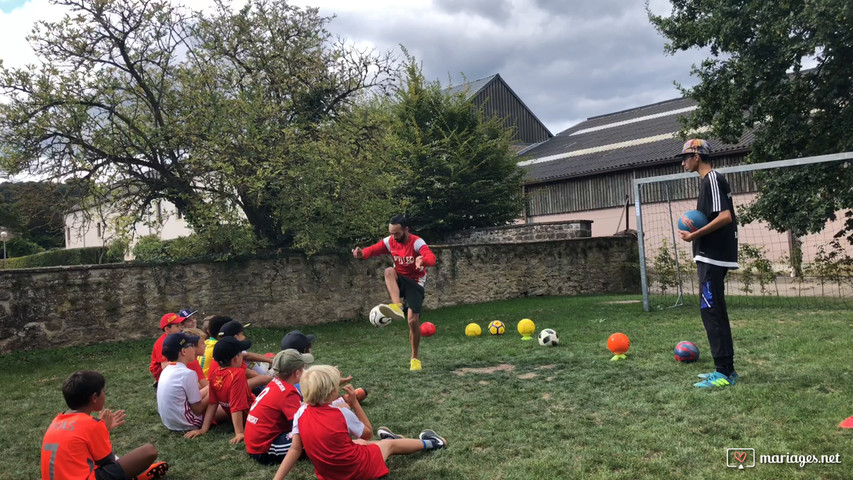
(716, 206)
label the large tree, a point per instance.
(460, 170)
(755, 80)
(256, 115)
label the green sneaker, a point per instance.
(393, 311)
(717, 379)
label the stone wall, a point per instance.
(523, 232)
(62, 306)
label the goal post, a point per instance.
(659, 201)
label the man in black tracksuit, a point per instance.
(715, 253)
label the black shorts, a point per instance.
(411, 293)
(110, 471)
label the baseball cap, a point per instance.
(187, 313)
(232, 328)
(174, 342)
(228, 348)
(290, 360)
(169, 319)
(696, 145)
(297, 341)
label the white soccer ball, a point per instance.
(377, 319)
(548, 338)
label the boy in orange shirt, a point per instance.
(77, 446)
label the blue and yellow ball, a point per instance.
(497, 327)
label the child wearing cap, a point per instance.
(302, 343)
(77, 446)
(169, 323)
(237, 330)
(271, 416)
(180, 402)
(325, 433)
(189, 318)
(228, 387)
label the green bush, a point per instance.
(52, 258)
(150, 249)
(116, 251)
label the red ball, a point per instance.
(427, 329)
(618, 343)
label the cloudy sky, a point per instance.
(567, 60)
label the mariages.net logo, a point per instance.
(741, 458)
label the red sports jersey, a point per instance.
(196, 367)
(324, 435)
(229, 388)
(157, 358)
(404, 255)
(271, 415)
(72, 444)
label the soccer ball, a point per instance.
(526, 327)
(497, 327)
(427, 329)
(473, 330)
(548, 338)
(377, 319)
(618, 343)
(692, 220)
(686, 352)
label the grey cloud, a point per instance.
(497, 10)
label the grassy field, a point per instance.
(511, 409)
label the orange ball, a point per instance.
(427, 329)
(618, 343)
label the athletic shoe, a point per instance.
(437, 441)
(415, 364)
(717, 379)
(156, 470)
(732, 377)
(847, 423)
(392, 311)
(385, 433)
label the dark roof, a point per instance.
(622, 140)
(470, 88)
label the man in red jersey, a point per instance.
(406, 279)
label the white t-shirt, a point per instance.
(354, 426)
(177, 389)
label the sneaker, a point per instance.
(732, 377)
(385, 433)
(392, 311)
(717, 379)
(414, 364)
(156, 470)
(437, 440)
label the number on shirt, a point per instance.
(52, 448)
(266, 391)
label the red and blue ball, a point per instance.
(686, 352)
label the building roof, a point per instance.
(472, 88)
(627, 139)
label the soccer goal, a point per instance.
(809, 270)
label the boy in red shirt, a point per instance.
(406, 279)
(325, 433)
(169, 323)
(228, 387)
(77, 446)
(271, 416)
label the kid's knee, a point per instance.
(390, 272)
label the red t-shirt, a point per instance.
(229, 388)
(157, 358)
(271, 415)
(404, 255)
(72, 445)
(196, 367)
(326, 439)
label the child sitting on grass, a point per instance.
(228, 387)
(169, 323)
(324, 432)
(77, 446)
(198, 352)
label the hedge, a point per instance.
(69, 256)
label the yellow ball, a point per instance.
(526, 327)
(497, 327)
(473, 330)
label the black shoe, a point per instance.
(385, 433)
(437, 440)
